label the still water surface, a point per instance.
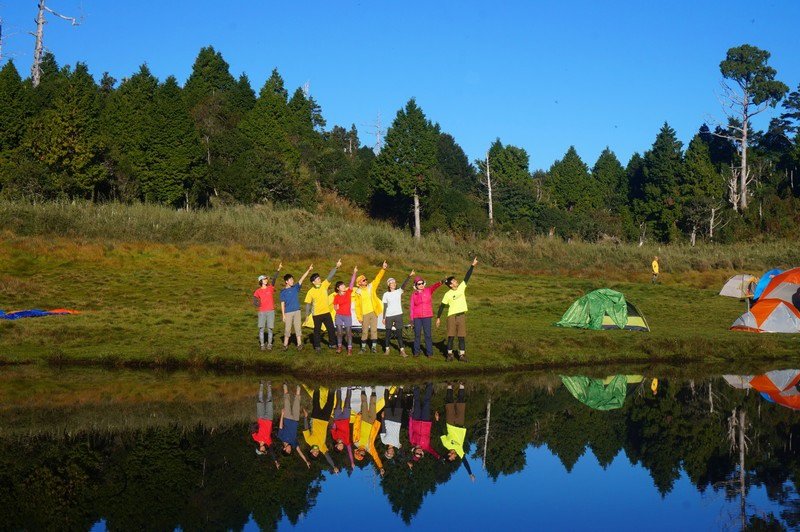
(87, 449)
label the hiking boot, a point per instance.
(263, 347)
(269, 347)
(318, 350)
(299, 347)
(462, 356)
(349, 350)
(450, 356)
(374, 348)
(286, 347)
(363, 349)
(331, 346)
(403, 353)
(386, 351)
(338, 349)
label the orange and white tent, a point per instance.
(776, 309)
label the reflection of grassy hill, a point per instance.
(164, 288)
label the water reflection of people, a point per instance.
(340, 428)
(316, 433)
(365, 431)
(287, 428)
(261, 430)
(419, 425)
(392, 422)
(455, 432)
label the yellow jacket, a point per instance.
(364, 436)
(372, 289)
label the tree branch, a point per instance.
(72, 20)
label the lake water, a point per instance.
(89, 449)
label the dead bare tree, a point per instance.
(38, 49)
(1, 38)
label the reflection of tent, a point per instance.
(738, 286)
(769, 315)
(778, 386)
(603, 309)
(763, 282)
(595, 394)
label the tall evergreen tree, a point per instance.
(65, 137)
(513, 191)
(12, 107)
(571, 185)
(662, 173)
(611, 181)
(174, 155)
(406, 165)
(702, 189)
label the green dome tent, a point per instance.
(603, 309)
(596, 393)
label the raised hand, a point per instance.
(339, 263)
(385, 265)
(413, 272)
(280, 265)
(475, 261)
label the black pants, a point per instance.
(422, 408)
(319, 321)
(322, 412)
(397, 323)
(393, 411)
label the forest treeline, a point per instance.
(215, 142)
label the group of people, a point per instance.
(334, 311)
(354, 433)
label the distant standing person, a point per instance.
(456, 302)
(421, 310)
(264, 300)
(368, 307)
(393, 312)
(290, 309)
(342, 304)
(654, 268)
(317, 299)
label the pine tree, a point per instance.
(12, 108)
(65, 137)
(662, 174)
(406, 165)
(571, 185)
(702, 189)
(513, 191)
(174, 156)
(611, 180)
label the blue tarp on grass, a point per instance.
(33, 313)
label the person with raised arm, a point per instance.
(454, 434)
(290, 308)
(342, 303)
(316, 433)
(368, 307)
(456, 302)
(421, 311)
(393, 312)
(264, 301)
(318, 300)
(287, 427)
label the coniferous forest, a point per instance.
(216, 141)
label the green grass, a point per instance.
(152, 303)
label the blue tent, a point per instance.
(764, 281)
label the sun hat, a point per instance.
(261, 278)
(390, 279)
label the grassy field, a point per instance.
(167, 298)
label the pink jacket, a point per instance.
(422, 301)
(419, 434)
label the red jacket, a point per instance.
(419, 434)
(264, 434)
(422, 301)
(340, 430)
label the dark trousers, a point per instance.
(319, 321)
(397, 323)
(393, 411)
(422, 408)
(322, 412)
(423, 325)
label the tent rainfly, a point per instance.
(603, 309)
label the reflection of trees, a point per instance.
(192, 478)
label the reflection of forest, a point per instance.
(191, 475)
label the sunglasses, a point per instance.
(420, 283)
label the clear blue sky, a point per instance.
(542, 76)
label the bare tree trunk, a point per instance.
(486, 438)
(36, 69)
(743, 181)
(489, 186)
(417, 231)
(710, 399)
(742, 479)
(693, 236)
(642, 233)
(711, 224)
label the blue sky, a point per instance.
(542, 76)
